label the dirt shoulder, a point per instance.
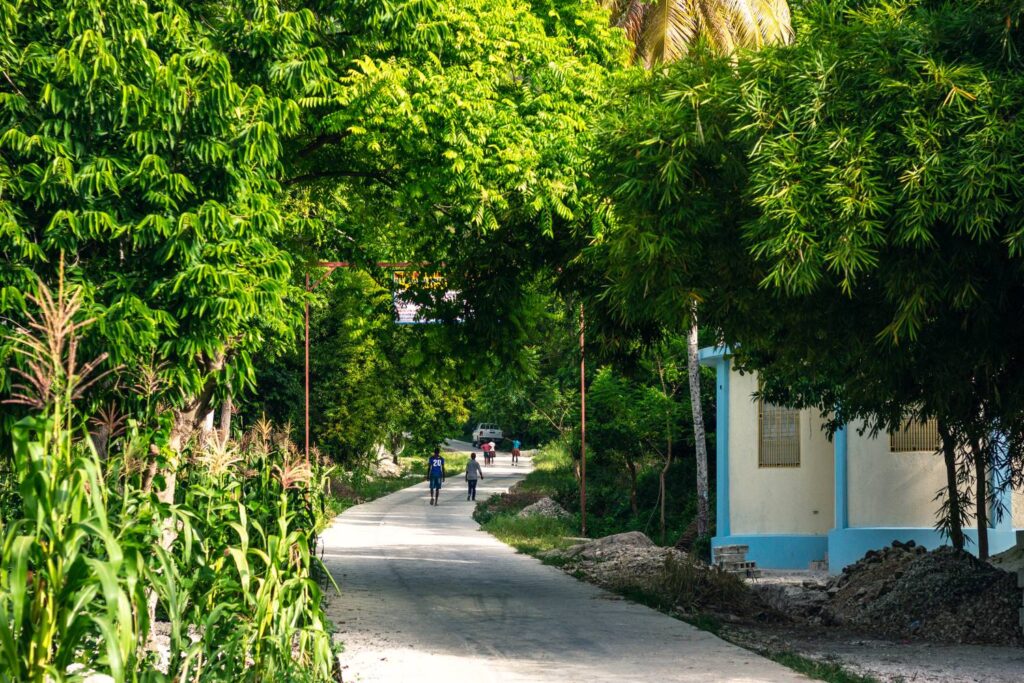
(894, 617)
(883, 659)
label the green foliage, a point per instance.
(666, 154)
(93, 558)
(845, 209)
(129, 147)
(67, 582)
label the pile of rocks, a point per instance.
(545, 507)
(945, 595)
(386, 467)
(632, 564)
(616, 561)
(803, 597)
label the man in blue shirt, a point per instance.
(436, 475)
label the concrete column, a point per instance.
(723, 525)
(842, 517)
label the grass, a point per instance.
(831, 672)
(552, 470)
(531, 535)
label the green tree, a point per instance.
(667, 158)
(867, 262)
(898, 197)
(373, 382)
(664, 31)
(130, 149)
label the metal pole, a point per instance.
(583, 432)
(307, 369)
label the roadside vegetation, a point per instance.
(220, 584)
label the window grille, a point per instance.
(914, 436)
(778, 436)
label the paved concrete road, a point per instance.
(427, 596)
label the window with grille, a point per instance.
(778, 431)
(914, 436)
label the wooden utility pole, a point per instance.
(583, 430)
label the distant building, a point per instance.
(794, 497)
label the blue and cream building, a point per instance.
(794, 497)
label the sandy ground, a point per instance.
(427, 596)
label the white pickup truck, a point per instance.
(486, 431)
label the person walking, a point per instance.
(436, 475)
(486, 447)
(515, 451)
(473, 473)
(493, 449)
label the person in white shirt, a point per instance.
(473, 473)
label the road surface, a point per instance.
(428, 596)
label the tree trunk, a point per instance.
(661, 482)
(981, 496)
(225, 417)
(693, 370)
(186, 420)
(956, 533)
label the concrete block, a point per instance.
(732, 549)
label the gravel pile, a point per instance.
(545, 507)
(632, 564)
(617, 561)
(944, 595)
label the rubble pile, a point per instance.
(545, 507)
(945, 595)
(631, 563)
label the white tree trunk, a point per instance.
(693, 370)
(225, 418)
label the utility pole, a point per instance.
(583, 430)
(308, 290)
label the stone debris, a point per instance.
(631, 563)
(545, 507)
(945, 595)
(386, 467)
(1012, 559)
(802, 596)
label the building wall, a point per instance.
(891, 489)
(1018, 509)
(777, 500)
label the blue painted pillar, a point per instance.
(722, 448)
(842, 519)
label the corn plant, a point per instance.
(68, 589)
